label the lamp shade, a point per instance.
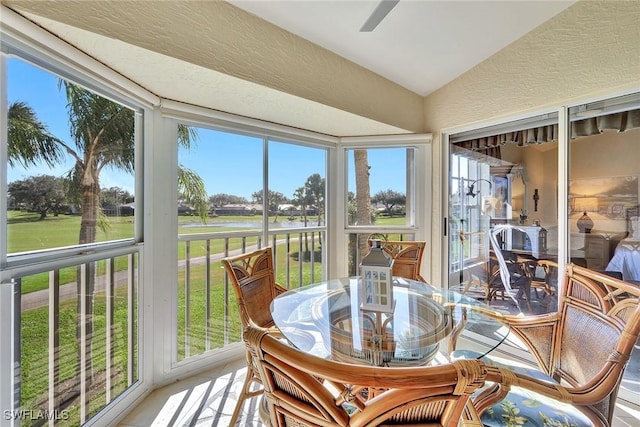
(586, 204)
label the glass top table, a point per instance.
(326, 319)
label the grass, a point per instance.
(35, 348)
(27, 233)
(197, 330)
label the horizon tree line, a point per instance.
(46, 194)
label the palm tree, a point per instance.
(104, 136)
(302, 198)
(315, 185)
(103, 133)
(363, 197)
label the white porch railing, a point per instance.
(75, 339)
(75, 346)
(207, 310)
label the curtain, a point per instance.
(490, 145)
(592, 126)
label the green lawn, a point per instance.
(62, 231)
(27, 233)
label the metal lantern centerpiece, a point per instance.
(377, 286)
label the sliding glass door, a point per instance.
(503, 211)
(506, 193)
(604, 165)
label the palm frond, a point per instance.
(30, 142)
(192, 187)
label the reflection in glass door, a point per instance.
(604, 231)
(503, 214)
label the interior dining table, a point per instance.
(327, 319)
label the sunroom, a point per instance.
(272, 127)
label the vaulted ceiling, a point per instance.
(300, 63)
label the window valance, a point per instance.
(490, 145)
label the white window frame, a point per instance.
(34, 45)
(420, 189)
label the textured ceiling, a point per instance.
(421, 44)
(217, 56)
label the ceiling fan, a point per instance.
(380, 12)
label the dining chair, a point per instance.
(508, 274)
(407, 257)
(301, 389)
(581, 350)
(253, 279)
(547, 281)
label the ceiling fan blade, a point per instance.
(383, 8)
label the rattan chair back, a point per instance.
(599, 326)
(585, 346)
(305, 390)
(253, 279)
(407, 257)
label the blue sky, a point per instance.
(228, 163)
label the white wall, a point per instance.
(590, 51)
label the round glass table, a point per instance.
(327, 319)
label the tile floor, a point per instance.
(205, 399)
(208, 399)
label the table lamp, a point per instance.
(585, 204)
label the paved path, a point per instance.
(69, 291)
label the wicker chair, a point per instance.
(582, 351)
(253, 279)
(305, 390)
(549, 282)
(407, 258)
(507, 273)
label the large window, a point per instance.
(70, 166)
(238, 193)
(69, 170)
(603, 190)
(380, 197)
(378, 184)
(603, 185)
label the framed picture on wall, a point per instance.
(608, 197)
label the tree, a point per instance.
(30, 142)
(222, 199)
(316, 187)
(303, 199)
(103, 134)
(114, 196)
(190, 185)
(363, 196)
(389, 199)
(274, 200)
(42, 194)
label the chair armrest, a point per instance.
(280, 289)
(511, 319)
(419, 278)
(504, 378)
(537, 332)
